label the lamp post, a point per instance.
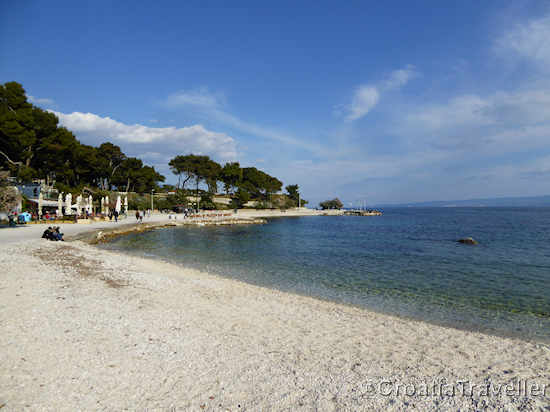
(152, 193)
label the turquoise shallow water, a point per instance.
(406, 262)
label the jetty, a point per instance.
(369, 212)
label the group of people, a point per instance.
(52, 233)
(140, 214)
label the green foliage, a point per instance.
(167, 203)
(187, 167)
(293, 192)
(110, 158)
(136, 201)
(210, 172)
(331, 204)
(197, 169)
(241, 197)
(33, 145)
(259, 184)
(25, 204)
(207, 203)
(132, 176)
(231, 175)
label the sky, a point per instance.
(371, 102)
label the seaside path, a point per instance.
(34, 231)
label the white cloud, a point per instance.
(193, 139)
(501, 122)
(529, 40)
(211, 105)
(201, 97)
(460, 111)
(364, 99)
(367, 96)
(42, 101)
(399, 78)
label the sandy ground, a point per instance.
(87, 329)
(34, 231)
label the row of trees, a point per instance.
(331, 204)
(33, 145)
(243, 183)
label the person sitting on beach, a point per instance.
(57, 234)
(47, 233)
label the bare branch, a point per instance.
(11, 161)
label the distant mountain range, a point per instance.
(490, 202)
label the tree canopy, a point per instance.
(332, 204)
(246, 183)
(33, 145)
(231, 175)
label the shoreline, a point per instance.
(86, 328)
(34, 231)
(468, 325)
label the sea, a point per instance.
(406, 262)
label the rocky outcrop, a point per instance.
(468, 241)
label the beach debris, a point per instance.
(468, 241)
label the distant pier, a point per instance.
(370, 212)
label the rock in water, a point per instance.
(468, 241)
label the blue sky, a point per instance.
(379, 101)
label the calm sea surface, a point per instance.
(406, 262)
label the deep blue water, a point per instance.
(406, 262)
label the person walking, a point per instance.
(137, 215)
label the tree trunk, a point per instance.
(197, 194)
(11, 161)
(28, 161)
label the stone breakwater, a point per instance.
(105, 235)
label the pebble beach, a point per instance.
(89, 329)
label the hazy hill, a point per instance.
(490, 202)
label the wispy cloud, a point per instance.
(41, 101)
(367, 96)
(528, 39)
(213, 105)
(364, 99)
(399, 78)
(201, 97)
(197, 139)
(497, 123)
